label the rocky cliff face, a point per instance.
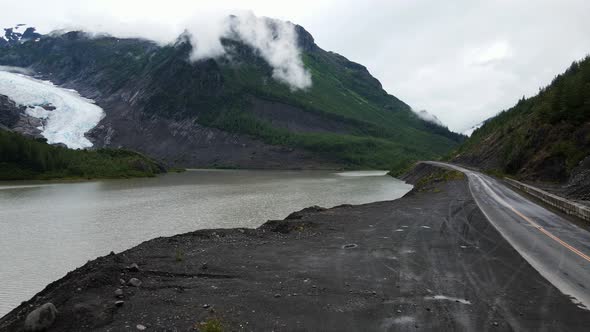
(9, 112)
(13, 117)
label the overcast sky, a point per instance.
(462, 60)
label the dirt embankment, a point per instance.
(428, 261)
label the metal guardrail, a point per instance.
(563, 204)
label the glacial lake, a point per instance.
(49, 228)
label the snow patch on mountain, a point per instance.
(19, 34)
(470, 131)
(66, 115)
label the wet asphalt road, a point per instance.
(555, 247)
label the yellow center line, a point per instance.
(549, 234)
(527, 219)
(534, 224)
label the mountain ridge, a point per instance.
(204, 112)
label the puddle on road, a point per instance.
(447, 298)
(387, 323)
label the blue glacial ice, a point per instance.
(73, 115)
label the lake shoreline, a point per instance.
(79, 221)
(180, 170)
(387, 265)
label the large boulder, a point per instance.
(41, 318)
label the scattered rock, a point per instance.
(48, 107)
(277, 295)
(122, 282)
(350, 246)
(204, 266)
(41, 318)
(285, 226)
(133, 267)
(119, 303)
(134, 282)
(61, 145)
(119, 292)
(495, 323)
(140, 327)
(206, 306)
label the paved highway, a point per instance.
(554, 246)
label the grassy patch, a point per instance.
(402, 169)
(179, 255)
(210, 325)
(429, 183)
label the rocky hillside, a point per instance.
(231, 111)
(543, 138)
(9, 112)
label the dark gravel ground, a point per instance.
(428, 261)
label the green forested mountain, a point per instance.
(545, 137)
(25, 158)
(229, 111)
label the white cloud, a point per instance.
(277, 43)
(274, 40)
(426, 116)
(205, 35)
(493, 52)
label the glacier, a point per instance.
(72, 117)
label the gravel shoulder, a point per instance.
(428, 261)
